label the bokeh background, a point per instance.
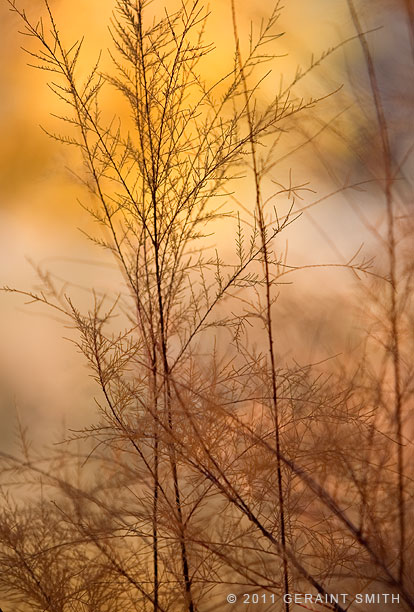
(42, 378)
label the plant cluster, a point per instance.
(214, 467)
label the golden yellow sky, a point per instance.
(30, 161)
(28, 158)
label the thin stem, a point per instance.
(268, 315)
(392, 258)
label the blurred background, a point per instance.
(332, 149)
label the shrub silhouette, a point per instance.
(209, 470)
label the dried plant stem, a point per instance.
(268, 311)
(392, 260)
